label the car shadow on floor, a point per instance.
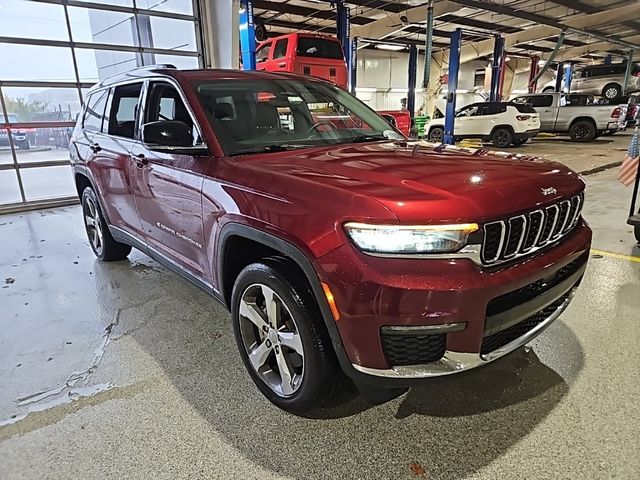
(451, 426)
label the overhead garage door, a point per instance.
(51, 52)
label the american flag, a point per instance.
(629, 168)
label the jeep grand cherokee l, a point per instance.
(343, 250)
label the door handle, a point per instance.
(141, 160)
(95, 147)
(282, 65)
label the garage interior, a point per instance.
(126, 370)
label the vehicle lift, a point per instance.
(497, 79)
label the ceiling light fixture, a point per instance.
(389, 46)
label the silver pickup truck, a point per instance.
(561, 113)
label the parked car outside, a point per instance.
(344, 251)
(20, 135)
(567, 114)
(503, 123)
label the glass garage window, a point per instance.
(51, 53)
(24, 19)
(36, 63)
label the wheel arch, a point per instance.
(505, 126)
(580, 119)
(270, 244)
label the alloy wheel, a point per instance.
(502, 139)
(436, 135)
(581, 132)
(611, 92)
(271, 339)
(93, 225)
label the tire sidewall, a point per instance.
(587, 124)
(315, 374)
(495, 134)
(610, 86)
(436, 129)
(88, 193)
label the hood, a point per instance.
(421, 183)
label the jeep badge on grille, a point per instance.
(548, 191)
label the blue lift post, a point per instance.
(353, 78)
(247, 35)
(413, 77)
(497, 66)
(568, 76)
(454, 68)
(344, 32)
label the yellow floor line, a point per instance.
(616, 255)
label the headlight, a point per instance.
(401, 239)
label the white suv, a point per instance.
(502, 123)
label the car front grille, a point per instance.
(403, 349)
(524, 234)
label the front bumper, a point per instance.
(374, 293)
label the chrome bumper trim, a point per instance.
(455, 362)
(424, 329)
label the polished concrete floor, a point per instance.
(126, 371)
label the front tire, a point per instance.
(611, 91)
(582, 131)
(520, 142)
(102, 243)
(281, 337)
(502, 138)
(436, 135)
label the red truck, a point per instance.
(344, 251)
(317, 56)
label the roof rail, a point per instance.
(157, 65)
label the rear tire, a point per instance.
(436, 135)
(275, 316)
(636, 231)
(582, 131)
(611, 91)
(102, 243)
(502, 138)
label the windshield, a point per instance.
(250, 116)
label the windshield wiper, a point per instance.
(269, 148)
(367, 138)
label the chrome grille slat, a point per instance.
(516, 237)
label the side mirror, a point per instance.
(167, 133)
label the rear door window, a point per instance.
(94, 113)
(280, 49)
(319, 48)
(541, 100)
(124, 110)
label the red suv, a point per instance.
(343, 250)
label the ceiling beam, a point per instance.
(571, 53)
(537, 33)
(391, 24)
(566, 26)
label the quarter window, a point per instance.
(94, 114)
